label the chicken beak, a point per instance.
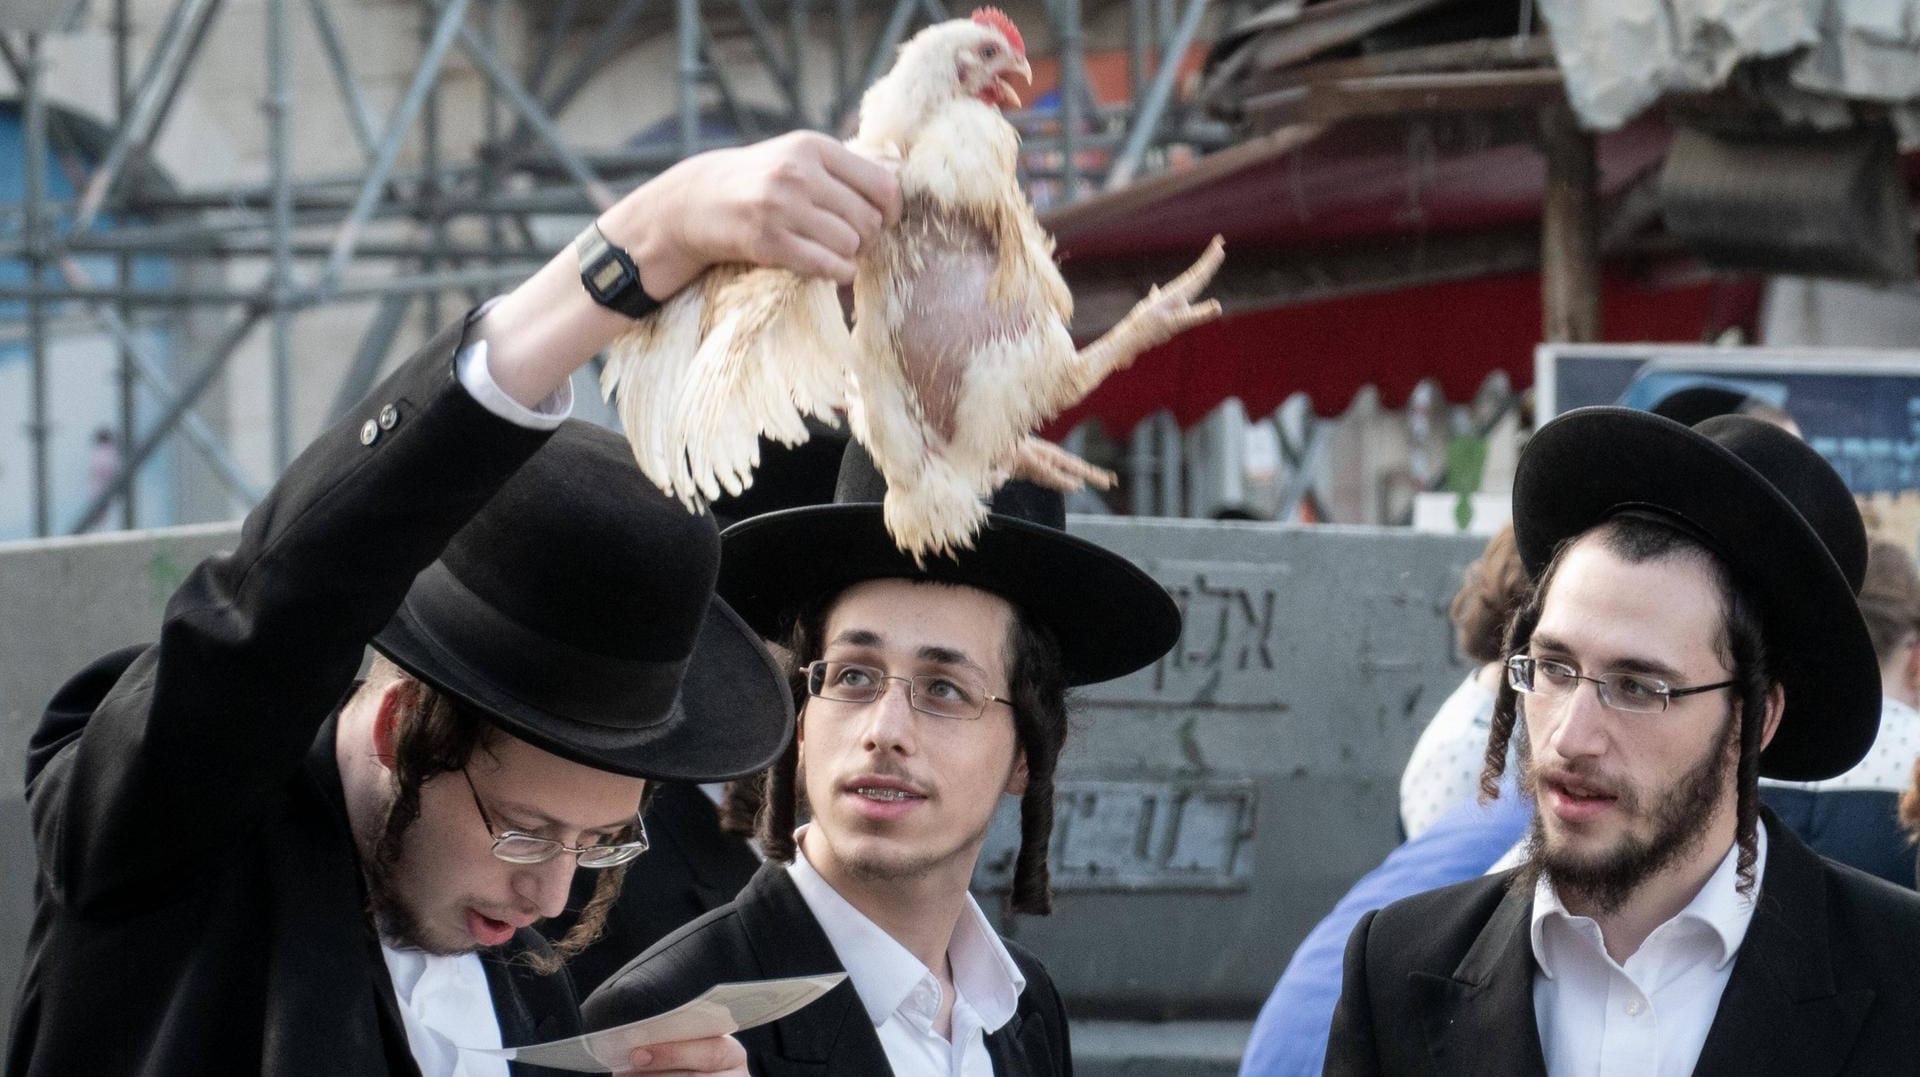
(1009, 97)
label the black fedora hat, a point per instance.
(787, 476)
(1770, 507)
(1110, 616)
(1695, 404)
(576, 611)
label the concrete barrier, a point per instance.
(1213, 807)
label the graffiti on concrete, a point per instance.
(1137, 835)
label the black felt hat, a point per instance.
(788, 476)
(576, 611)
(1696, 404)
(1111, 617)
(1770, 507)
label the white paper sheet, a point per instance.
(723, 1010)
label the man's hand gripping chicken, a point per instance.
(960, 345)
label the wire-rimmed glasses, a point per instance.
(939, 694)
(1635, 693)
(519, 847)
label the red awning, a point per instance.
(1358, 181)
(1413, 187)
(1457, 333)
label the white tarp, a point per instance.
(1620, 56)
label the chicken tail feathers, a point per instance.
(937, 514)
(768, 348)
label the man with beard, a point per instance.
(249, 865)
(926, 693)
(1692, 626)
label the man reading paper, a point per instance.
(242, 874)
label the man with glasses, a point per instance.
(249, 865)
(1692, 627)
(926, 694)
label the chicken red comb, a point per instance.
(994, 17)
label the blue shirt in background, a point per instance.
(1290, 1036)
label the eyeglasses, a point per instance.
(516, 847)
(937, 694)
(1635, 693)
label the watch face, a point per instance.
(608, 275)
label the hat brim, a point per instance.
(1110, 617)
(715, 728)
(1594, 463)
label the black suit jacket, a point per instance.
(199, 907)
(1827, 980)
(692, 867)
(768, 932)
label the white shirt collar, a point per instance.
(885, 973)
(1719, 907)
(445, 1001)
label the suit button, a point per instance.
(369, 432)
(389, 415)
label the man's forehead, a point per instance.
(1666, 608)
(546, 788)
(916, 615)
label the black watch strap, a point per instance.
(610, 276)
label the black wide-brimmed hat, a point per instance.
(1696, 404)
(1771, 508)
(1111, 618)
(576, 612)
(787, 476)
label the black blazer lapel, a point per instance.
(1480, 1020)
(531, 1007)
(1781, 1012)
(1019, 1048)
(834, 1034)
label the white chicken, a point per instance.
(960, 344)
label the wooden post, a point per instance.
(1569, 232)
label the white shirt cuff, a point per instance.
(470, 364)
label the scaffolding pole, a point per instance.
(37, 299)
(279, 104)
(124, 263)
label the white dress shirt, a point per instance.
(1648, 1018)
(1444, 771)
(902, 996)
(470, 363)
(444, 1000)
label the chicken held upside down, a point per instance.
(960, 345)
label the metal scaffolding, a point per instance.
(386, 233)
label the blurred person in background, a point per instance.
(1451, 835)
(1444, 771)
(1854, 818)
(1910, 815)
(1290, 1036)
(1698, 403)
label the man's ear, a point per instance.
(1910, 673)
(1017, 781)
(1776, 706)
(397, 701)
